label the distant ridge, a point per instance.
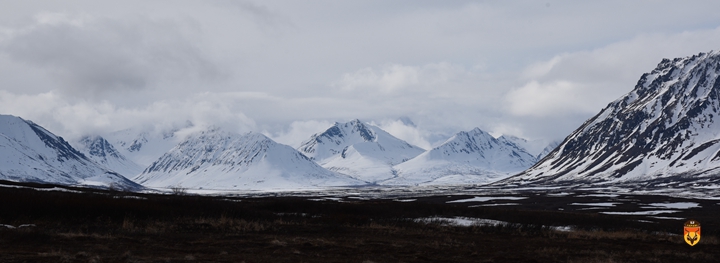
(360, 150)
(216, 159)
(30, 153)
(467, 158)
(102, 152)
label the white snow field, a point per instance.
(218, 160)
(473, 157)
(360, 150)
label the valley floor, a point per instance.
(80, 225)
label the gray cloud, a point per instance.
(571, 87)
(90, 56)
(290, 68)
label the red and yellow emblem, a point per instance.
(691, 232)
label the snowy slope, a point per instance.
(533, 147)
(538, 148)
(665, 127)
(547, 150)
(98, 149)
(215, 159)
(30, 153)
(467, 157)
(142, 146)
(360, 150)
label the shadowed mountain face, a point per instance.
(142, 146)
(98, 149)
(360, 150)
(30, 153)
(215, 159)
(468, 157)
(666, 127)
(336, 140)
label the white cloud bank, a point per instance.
(87, 56)
(299, 132)
(291, 69)
(586, 81)
(73, 120)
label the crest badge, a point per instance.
(691, 232)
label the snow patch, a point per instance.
(487, 198)
(678, 205)
(596, 204)
(653, 212)
(461, 221)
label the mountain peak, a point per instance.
(98, 146)
(665, 126)
(366, 133)
(479, 132)
(23, 130)
(469, 157)
(479, 141)
(358, 149)
(407, 121)
(537, 147)
(104, 153)
(143, 146)
(217, 159)
(471, 138)
(29, 152)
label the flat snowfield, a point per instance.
(60, 224)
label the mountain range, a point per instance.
(30, 153)
(347, 154)
(216, 159)
(663, 133)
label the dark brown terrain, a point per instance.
(112, 226)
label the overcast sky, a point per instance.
(534, 69)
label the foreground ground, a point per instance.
(106, 226)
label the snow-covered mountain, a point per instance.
(664, 132)
(215, 159)
(548, 149)
(143, 147)
(538, 148)
(360, 150)
(467, 157)
(102, 152)
(30, 153)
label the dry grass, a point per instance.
(128, 224)
(63, 257)
(618, 235)
(85, 235)
(184, 228)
